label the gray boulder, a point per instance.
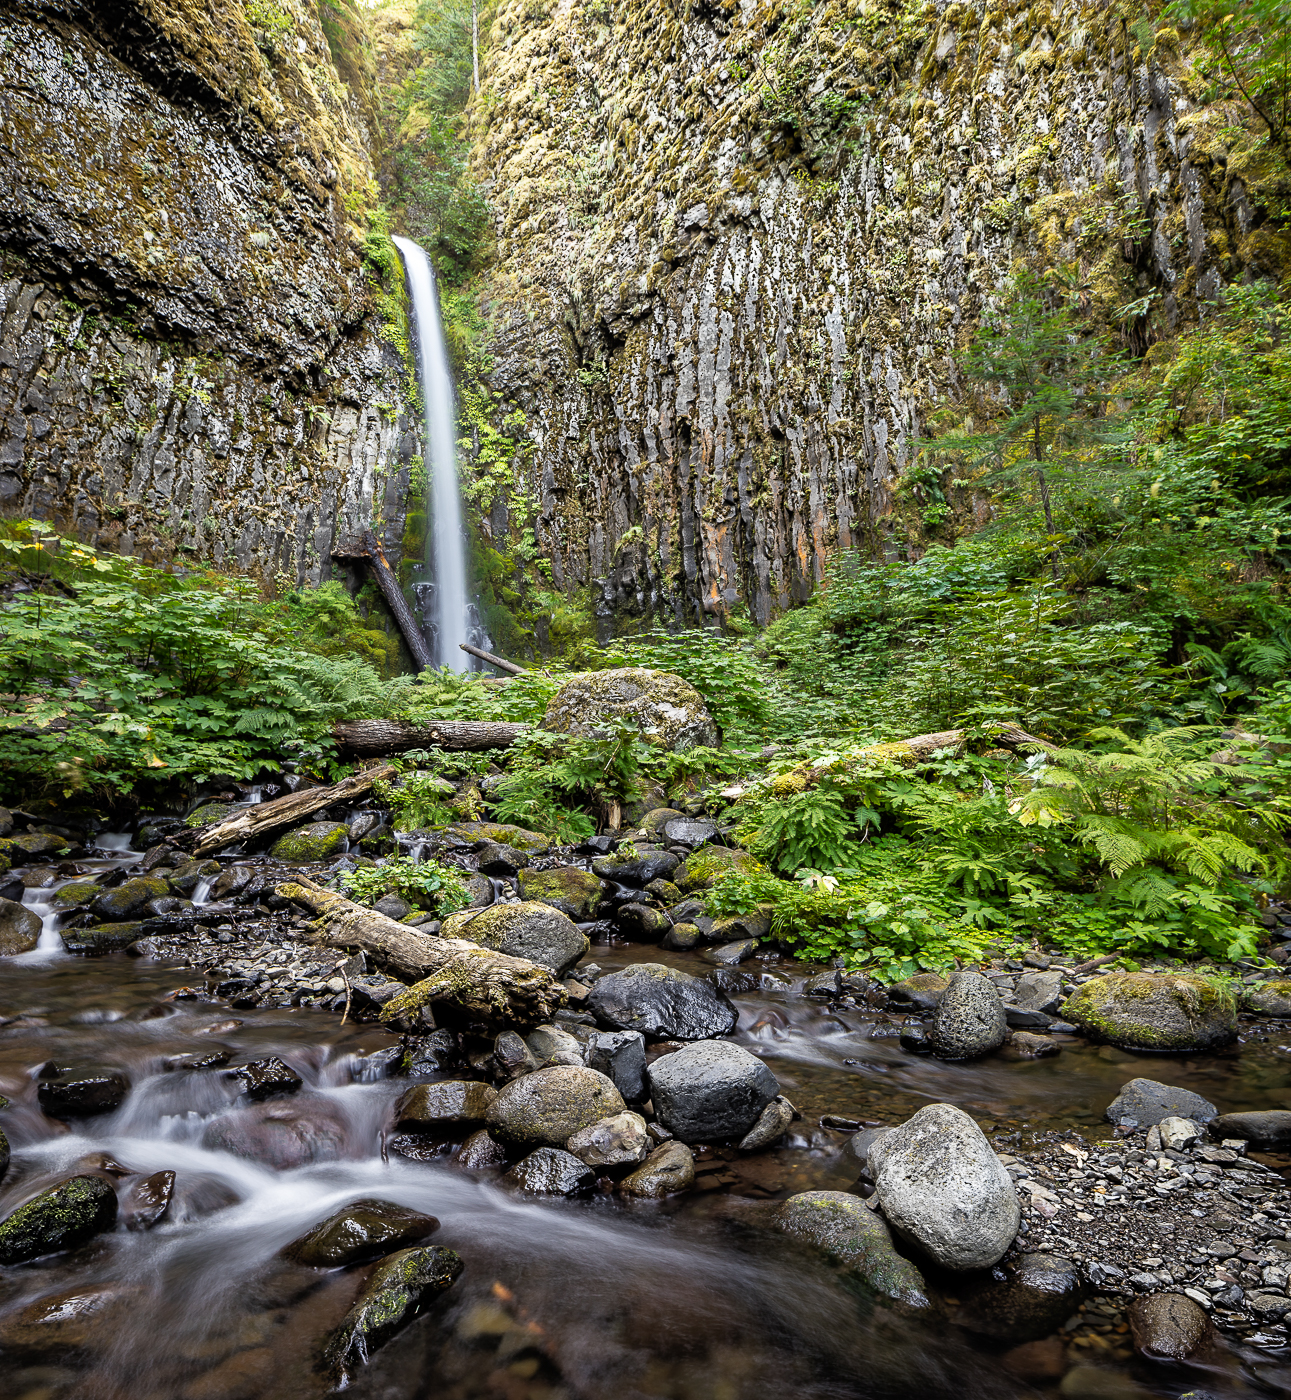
(731, 954)
(1028, 1299)
(665, 709)
(1266, 1130)
(359, 1232)
(525, 929)
(62, 1217)
(620, 1056)
(853, 1237)
(634, 864)
(668, 1170)
(573, 891)
(549, 1045)
(19, 928)
(448, 1104)
(710, 1091)
(620, 1141)
(941, 1185)
(1272, 998)
(551, 1172)
(922, 992)
(546, 1108)
(1154, 1011)
(662, 1003)
(969, 1020)
(1147, 1102)
(1039, 991)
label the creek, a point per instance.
(685, 1299)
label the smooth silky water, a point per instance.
(685, 1301)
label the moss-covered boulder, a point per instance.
(307, 845)
(210, 812)
(77, 892)
(1154, 1011)
(396, 1291)
(525, 929)
(922, 992)
(19, 928)
(547, 1107)
(36, 846)
(129, 897)
(854, 1238)
(576, 893)
(105, 938)
(1271, 998)
(63, 1217)
(665, 709)
(186, 877)
(703, 869)
(499, 834)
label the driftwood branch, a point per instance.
(284, 811)
(398, 604)
(379, 737)
(478, 980)
(494, 660)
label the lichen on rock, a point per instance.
(665, 709)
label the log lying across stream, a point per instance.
(481, 982)
(372, 738)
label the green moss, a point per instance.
(63, 1217)
(210, 812)
(574, 892)
(1150, 1011)
(78, 892)
(703, 869)
(310, 844)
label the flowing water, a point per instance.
(445, 541)
(587, 1300)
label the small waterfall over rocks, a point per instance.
(445, 605)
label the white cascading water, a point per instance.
(445, 547)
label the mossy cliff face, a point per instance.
(189, 357)
(738, 244)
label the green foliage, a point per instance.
(416, 801)
(429, 885)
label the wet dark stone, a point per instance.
(731, 954)
(19, 927)
(641, 923)
(480, 1151)
(60, 1218)
(106, 938)
(359, 1232)
(1268, 1129)
(551, 1171)
(450, 1103)
(498, 859)
(419, 1148)
(263, 1079)
(1170, 1326)
(636, 865)
(1147, 1102)
(393, 907)
(148, 1201)
(620, 1056)
(430, 1054)
(75, 1093)
(282, 1134)
(398, 1290)
(661, 1003)
(1023, 1301)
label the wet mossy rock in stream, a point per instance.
(19, 928)
(856, 1239)
(397, 1290)
(548, 1106)
(62, 1217)
(1168, 1012)
(525, 929)
(359, 1232)
(312, 843)
(576, 893)
(129, 897)
(702, 869)
(1271, 998)
(530, 843)
(665, 709)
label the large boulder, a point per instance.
(1038, 991)
(396, 1291)
(575, 892)
(1027, 1299)
(1148, 1102)
(941, 1185)
(710, 1091)
(702, 869)
(1266, 1129)
(317, 841)
(665, 709)
(662, 1003)
(1272, 998)
(82, 1093)
(282, 1133)
(480, 834)
(636, 864)
(102, 938)
(19, 928)
(62, 1217)
(129, 897)
(1154, 1011)
(668, 1170)
(853, 1237)
(969, 1020)
(359, 1232)
(546, 1108)
(524, 929)
(922, 992)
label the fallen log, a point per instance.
(497, 661)
(373, 738)
(481, 982)
(284, 811)
(385, 580)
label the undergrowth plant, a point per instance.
(428, 884)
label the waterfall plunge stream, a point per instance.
(445, 551)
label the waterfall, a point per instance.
(445, 548)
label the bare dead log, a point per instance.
(497, 661)
(381, 737)
(284, 811)
(481, 982)
(398, 604)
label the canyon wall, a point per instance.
(738, 245)
(191, 363)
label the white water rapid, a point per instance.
(445, 548)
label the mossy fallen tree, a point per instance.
(483, 983)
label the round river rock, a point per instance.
(546, 1108)
(710, 1090)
